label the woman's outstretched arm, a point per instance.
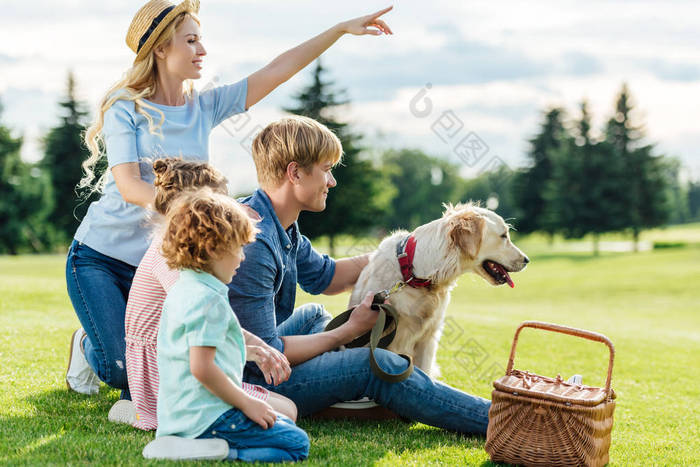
(264, 81)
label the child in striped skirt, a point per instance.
(151, 282)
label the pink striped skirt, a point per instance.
(142, 370)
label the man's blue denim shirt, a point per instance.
(263, 291)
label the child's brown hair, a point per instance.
(174, 175)
(202, 226)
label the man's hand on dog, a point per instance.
(363, 316)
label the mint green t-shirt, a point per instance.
(196, 312)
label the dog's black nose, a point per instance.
(526, 260)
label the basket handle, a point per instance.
(593, 336)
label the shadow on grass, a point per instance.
(62, 427)
(66, 427)
(343, 440)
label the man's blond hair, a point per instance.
(293, 139)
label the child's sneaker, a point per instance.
(79, 376)
(123, 411)
(176, 448)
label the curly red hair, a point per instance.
(202, 226)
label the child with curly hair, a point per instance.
(152, 280)
(201, 348)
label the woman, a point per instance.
(153, 111)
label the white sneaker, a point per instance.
(359, 404)
(123, 411)
(176, 448)
(79, 376)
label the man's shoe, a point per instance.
(79, 376)
(176, 448)
(123, 411)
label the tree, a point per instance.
(676, 192)
(24, 200)
(530, 183)
(492, 185)
(423, 184)
(694, 200)
(645, 185)
(563, 192)
(64, 153)
(583, 195)
(361, 197)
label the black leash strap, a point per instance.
(387, 317)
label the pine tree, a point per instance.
(63, 155)
(24, 200)
(583, 195)
(563, 191)
(694, 200)
(645, 185)
(360, 198)
(676, 192)
(530, 183)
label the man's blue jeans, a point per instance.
(346, 375)
(283, 442)
(98, 287)
(311, 318)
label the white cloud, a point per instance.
(496, 64)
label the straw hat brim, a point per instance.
(190, 6)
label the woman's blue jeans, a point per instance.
(283, 442)
(98, 287)
(346, 375)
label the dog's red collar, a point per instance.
(405, 251)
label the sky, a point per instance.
(466, 81)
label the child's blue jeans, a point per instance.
(248, 442)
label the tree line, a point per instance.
(577, 181)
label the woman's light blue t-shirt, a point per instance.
(119, 229)
(196, 313)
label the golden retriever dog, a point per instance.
(466, 238)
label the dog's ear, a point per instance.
(465, 231)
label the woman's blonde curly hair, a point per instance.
(137, 84)
(202, 226)
(174, 175)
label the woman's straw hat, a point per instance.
(150, 21)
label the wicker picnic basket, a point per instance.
(539, 421)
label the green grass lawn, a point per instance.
(647, 303)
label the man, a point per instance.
(294, 158)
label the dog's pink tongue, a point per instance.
(505, 273)
(510, 281)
